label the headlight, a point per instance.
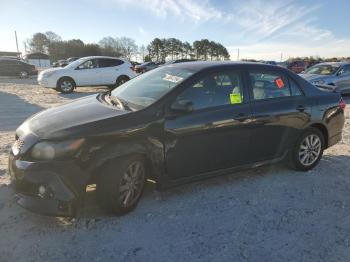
(56, 150)
(318, 82)
(48, 74)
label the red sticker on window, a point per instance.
(279, 83)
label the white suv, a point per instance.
(87, 71)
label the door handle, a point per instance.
(300, 108)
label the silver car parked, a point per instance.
(334, 74)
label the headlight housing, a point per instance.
(318, 82)
(55, 150)
(48, 74)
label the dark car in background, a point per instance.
(184, 60)
(72, 59)
(175, 124)
(146, 67)
(16, 67)
(335, 74)
(297, 66)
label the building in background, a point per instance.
(39, 60)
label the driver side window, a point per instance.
(89, 64)
(222, 88)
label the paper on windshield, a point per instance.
(171, 78)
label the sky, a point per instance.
(260, 29)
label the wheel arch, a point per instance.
(153, 157)
(123, 75)
(323, 130)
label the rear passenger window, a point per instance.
(106, 62)
(214, 90)
(294, 88)
(268, 85)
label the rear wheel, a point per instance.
(121, 80)
(308, 150)
(120, 186)
(65, 85)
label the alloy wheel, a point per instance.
(131, 184)
(23, 74)
(66, 86)
(310, 150)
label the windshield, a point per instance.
(322, 69)
(147, 88)
(76, 63)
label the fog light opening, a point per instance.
(44, 191)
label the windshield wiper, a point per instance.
(116, 101)
(125, 104)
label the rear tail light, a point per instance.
(342, 103)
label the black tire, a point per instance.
(302, 151)
(121, 80)
(65, 85)
(112, 187)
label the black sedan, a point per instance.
(16, 67)
(174, 124)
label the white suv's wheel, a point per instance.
(65, 85)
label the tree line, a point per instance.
(159, 50)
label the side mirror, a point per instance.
(182, 106)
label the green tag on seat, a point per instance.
(235, 99)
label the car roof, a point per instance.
(110, 57)
(335, 63)
(202, 65)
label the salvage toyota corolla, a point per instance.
(172, 125)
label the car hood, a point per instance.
(313, 77)
(55, 69)
(74, 119)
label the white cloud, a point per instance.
(195, 10)
(270, 28)
(261, 29)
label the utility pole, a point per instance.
(16, 41)
(238, 54)
(281, 57)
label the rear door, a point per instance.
(280, 112)
(109, 70)
(216, 134)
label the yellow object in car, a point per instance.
(235, 98)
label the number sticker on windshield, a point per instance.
(172, 78)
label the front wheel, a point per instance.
(65, 85)
(308, 150)
(120, 185)
(23, 74)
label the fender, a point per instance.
(151, 148)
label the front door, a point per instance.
(87, 73)
(216, 134)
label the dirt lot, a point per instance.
(268, 214)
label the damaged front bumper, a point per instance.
(52, 188)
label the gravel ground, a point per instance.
(267, 214)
